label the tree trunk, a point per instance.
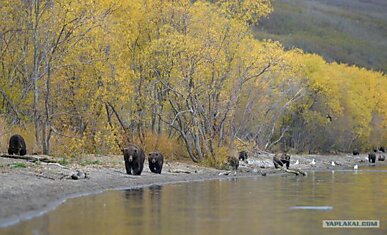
(35, 72)
(47, 122)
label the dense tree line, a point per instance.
(91, 76)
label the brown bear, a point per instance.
(242, 156)
(155, 160)
(280, 161)
(134, 159)
(372, 157)
(17, 145)
(233, 163)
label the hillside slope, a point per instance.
(347, 31)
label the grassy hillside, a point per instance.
(347, 31)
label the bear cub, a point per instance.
(155, 160)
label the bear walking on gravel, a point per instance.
(134, 159)
(233, 163)
(17, 145)
(372, 157)
(155, 160)
(243, 156)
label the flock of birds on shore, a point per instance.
(356, 166)
(371, 158)
(333, 164)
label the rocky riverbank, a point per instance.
(27, 187)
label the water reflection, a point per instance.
(240, 206)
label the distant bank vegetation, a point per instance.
(183, 77)
(347, 31)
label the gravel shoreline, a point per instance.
(30, 189)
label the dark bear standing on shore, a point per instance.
(280, 161)
(356, 152)
(17, 145)
(155, 161)
(372, 157)
(233, 163)
(243, 156)
(134, 159)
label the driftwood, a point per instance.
(55, 164)
(44, 176)
(293, 171)
(31, 158)
(180, 171)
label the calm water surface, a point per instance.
(261, 205)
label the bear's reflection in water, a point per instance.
(140, 216)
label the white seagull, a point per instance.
(313, 162)
(355, 167)
(297, 162)
(333, 163)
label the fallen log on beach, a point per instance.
(180, 171)
(293, 171)
(31, 158)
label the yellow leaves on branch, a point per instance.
(136, 55)
(247, 11)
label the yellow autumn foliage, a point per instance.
(184, 77)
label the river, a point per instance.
(256, 205)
